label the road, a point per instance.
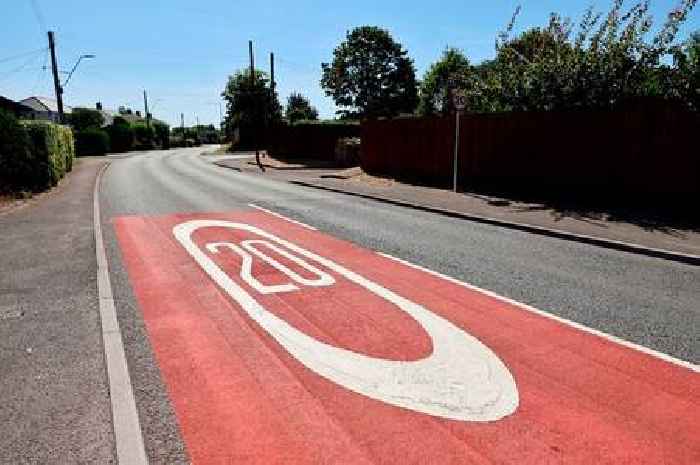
(646, 301)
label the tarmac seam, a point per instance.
(592, 240)
(127, 428)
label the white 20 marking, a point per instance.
(461, 379)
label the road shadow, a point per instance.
(674, 217)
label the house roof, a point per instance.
(10, 104)
(44, 104)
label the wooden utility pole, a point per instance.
(255, 110)
(252, 63)
(145, 104)
(56, 81)
(272, 72)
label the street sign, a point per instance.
(459, 100)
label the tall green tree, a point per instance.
(371, 75)
(435, 90)
(299, 108)
(250, 103)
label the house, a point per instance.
(43, 108)
(107, 115)
(16, 108)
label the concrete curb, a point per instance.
(593, 240)
(125, 418)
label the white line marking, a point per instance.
(324, 279)
(461, 380)
(282, 216)
(573, 324)
(127, 429)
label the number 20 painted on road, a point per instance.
(461, 379)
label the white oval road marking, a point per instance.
(461, 379)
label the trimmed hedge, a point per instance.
(121, 135)
(53, 150)
(34, 156)
(91, 141)
(144, 136)
(315, 140)
(16, 160)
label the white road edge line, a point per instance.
(127, 429)
(282, 216)
(631, 345)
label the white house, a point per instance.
(44, 108)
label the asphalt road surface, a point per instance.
(216, 388)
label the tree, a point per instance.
(609, 60)
(85, 118)
(434, 91)
(371, 75)
(299, 108)
(250, 103)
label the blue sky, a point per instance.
(183, 51)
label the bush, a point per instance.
(85, 118)
(52, 149)
(121, 135)
(175, 141)
(162, 132)
(316, 140)
(91, 141)
(144, 136)
(16, 159)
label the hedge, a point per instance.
(121, 135)
(53, 151)
(33, 155)
(91, 141)
(16, 159)
(316, 140)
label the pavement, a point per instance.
(267, 322)
(642, 234)
(54, 400)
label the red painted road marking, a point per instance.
(241, 397)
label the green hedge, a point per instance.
(16, 160)
(53, 151)
(121, 135)
(91, 141)
(33, 155)
(315, 140)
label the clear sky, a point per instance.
(182, 51)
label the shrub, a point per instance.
(121, 135)
(16, 158)
(91, 141)
(53, 149)
(144, 136)
(85, 118)
(175, 141)
(162, 134)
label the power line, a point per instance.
(4, 75)
(39, 17)
(23, 54)
(41, 77)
